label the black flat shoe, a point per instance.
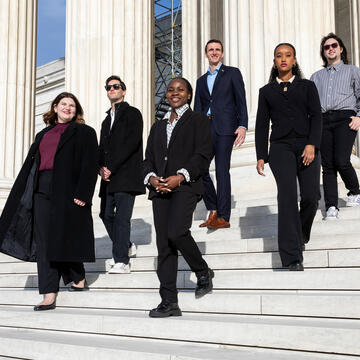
(74, 288)
(204, 284)
(165, 309)
(296, 266)
(45, 307)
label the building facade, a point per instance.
(117, 36)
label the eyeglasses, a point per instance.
(115, 86)
(333, 45)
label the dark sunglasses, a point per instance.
(333, 45)
(115, 86)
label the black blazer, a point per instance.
(190, 147)
(121, 151)
(297, 109)
(227, 101)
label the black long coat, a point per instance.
(121, 151)
(190, 148)
(70, 231)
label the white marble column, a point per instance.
(17, 87)
(202, 20)
(252, 28)
(110, 37)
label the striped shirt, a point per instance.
(169, 129)
(338, 87)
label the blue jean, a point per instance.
(116, 217)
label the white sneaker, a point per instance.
(332, 213)
(132, 250)
(353, 200)
(120, 268)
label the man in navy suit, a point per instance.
(220, 94)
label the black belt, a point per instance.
(334, 112)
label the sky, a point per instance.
(51, 28)
(50, 31)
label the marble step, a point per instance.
(144, 233)
(241, 216)
(335, 304)
(318, 335)
(254, 279)
(42, 345)
(268, 260)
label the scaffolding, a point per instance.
(167, 50)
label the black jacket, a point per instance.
(71, 235)
(121, 151)
(297, 109)
(190, 147)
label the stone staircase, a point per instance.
(257, 310)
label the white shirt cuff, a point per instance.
(148, 176)
(185, 173)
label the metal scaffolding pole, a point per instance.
(168, 47)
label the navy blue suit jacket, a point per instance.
(227, 101)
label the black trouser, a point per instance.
(173, 218)
(50, 272)
(116, 212)
(336, 147)
(294, 226)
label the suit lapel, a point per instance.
(163, 136)
(179, 124)
(220, 74)
(118, 114)
(68, 134)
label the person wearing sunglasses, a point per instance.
(293, 106)
(121, 156)
(339, 89)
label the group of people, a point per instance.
(47, 217)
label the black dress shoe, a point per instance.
(74, 288)
(165, 309)
(204, 284)
(45, 307)
(296, 266)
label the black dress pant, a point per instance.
(116, 212)
(294, 226)
(50, 272)
(173, 214)
(336, 147)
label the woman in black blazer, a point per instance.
(47, 217)
(293, 106)
(178, 153)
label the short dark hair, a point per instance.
(188, 86)
(343, 54)
(115, 77)
(214, 41)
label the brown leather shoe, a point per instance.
(210, 220)
(220, 223)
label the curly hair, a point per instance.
(50, 117)
(343, 54)
(274, 73)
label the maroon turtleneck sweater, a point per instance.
(49, 144)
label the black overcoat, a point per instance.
(121, 151)
(190, 148)
(70, 231)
